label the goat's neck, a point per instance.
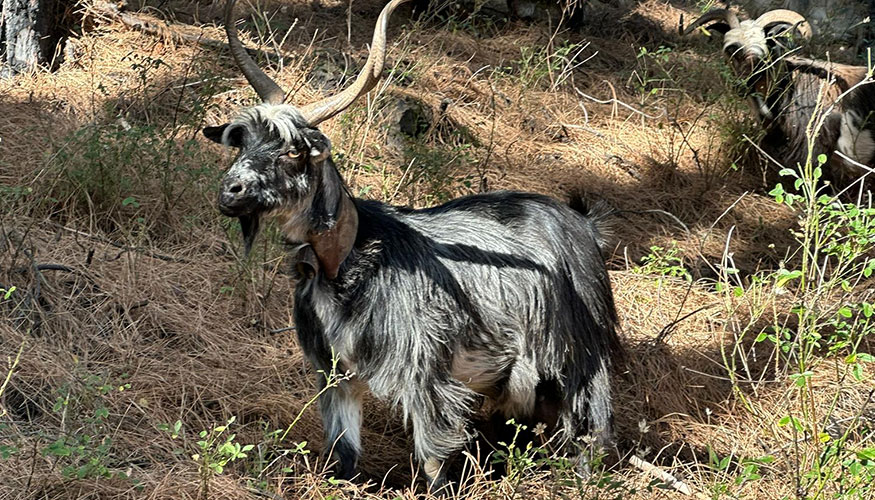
(333, 245)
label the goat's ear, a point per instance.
(223, 135)
(215, 133)
(326, 199)
(320, 147)
(333, 221)
(329, 185)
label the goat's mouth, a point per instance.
(236, 205)
(236, 210)
(249, 217)
(249, 228)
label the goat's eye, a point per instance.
(290, 160)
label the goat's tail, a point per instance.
(601, 215)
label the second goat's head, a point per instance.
(748, 44)
(284, 166)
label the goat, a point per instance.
(499, 298)
(788, 92)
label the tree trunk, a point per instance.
(19, 38)
(30, 31)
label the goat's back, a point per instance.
(508, 273)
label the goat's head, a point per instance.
(747, 44)
(284, 167)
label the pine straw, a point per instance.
(177, 316)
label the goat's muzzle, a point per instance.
(236, 198)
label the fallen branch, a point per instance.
(127, 248)
(670, 328)
(649, 468)
(155, 27)
(614, 102)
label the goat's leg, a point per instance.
(341, 408)
(586, 418)
(599, 411)
(434, 469)
(439, 411)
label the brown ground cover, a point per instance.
(134, 310)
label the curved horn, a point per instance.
(326, 108)
(725, 15)
(784, 16)
(264, 85)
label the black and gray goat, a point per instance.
(787, 91)
(499, 299)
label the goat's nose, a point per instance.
(232, 193)
(237, 189)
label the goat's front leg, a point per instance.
(440, 413)
(435, 472)
(341, 408)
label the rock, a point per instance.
(836, 19)
(406, 119)
(497, 6)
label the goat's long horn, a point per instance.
(725, 15)
(264, 85)
(784, 16)
(367, 79)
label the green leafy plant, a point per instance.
(585, 473)
(664, 262)
(818, 312)
(103, 168)
(549, 66)
(654, 76)
(216, 449)
(85, 450)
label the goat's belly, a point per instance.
(480, 371)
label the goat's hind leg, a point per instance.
(586, 419)
(341, 409)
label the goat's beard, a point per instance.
(249, 228)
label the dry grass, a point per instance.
(151, 293)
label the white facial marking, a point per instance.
(283, 119)
(301, 183)
(749, 36)
(242, 171)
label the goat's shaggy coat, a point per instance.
(495, 298)
(488, 295)
(805, 91)
(500, 297)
